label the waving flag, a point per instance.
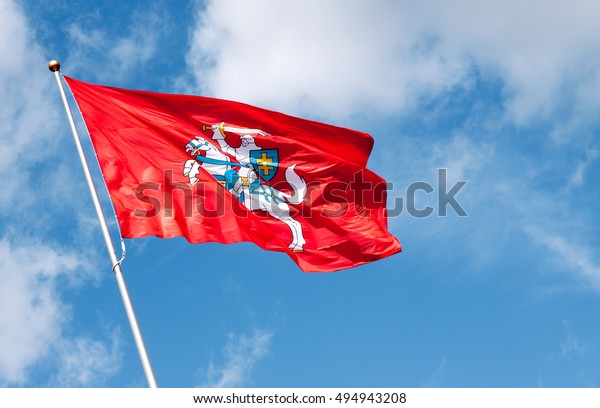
(212, 170)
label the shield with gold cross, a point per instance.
(265, 162)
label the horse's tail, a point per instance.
(298, 185)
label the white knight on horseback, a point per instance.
(247, 182)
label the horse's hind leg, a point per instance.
(298, 241)
(283, 215)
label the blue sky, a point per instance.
(504, 95)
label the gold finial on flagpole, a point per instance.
(54, 65)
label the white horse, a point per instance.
(247, 186)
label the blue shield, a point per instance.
(265, 162)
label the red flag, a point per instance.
(215, 170)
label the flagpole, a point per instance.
(54, 66)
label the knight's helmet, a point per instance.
(247, 140)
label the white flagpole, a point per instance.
(54, 66)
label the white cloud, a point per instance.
(126, 53)
(13, 38)
(328, 58)
(571, 345)
(85, 362)
(26, 117)
(31, 312)
(536, 48)
(516, 202)
(35, 269)
(575, 257)
(577, 178)
(32, 169)
(337, 58)
(570, 359)
(436, 378)
(242, 353)
(461, 156)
